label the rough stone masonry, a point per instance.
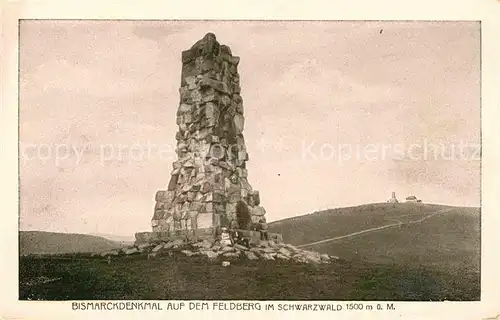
(208, 185)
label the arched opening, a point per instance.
(243, 217)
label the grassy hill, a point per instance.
(420, 252)
(178, 277)
(448, 241)
(41, 242)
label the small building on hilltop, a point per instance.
(413, 199)
(393, 198)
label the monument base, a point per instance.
(200, 234)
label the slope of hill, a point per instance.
(414, 252)
(41, 242)
(438, 237)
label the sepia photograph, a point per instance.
(269, 160)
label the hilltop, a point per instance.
(419, 235)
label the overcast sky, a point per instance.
(97, 86)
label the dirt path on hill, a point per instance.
(398, 223)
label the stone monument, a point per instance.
(208, 187)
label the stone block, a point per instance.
(210, 110)
(216, 220)
(325, 257)
(251, 255)
(276, 237)
(164, 233)
(143, 246)
(231, 208)
(181, 197)
(196, 96)
(233, 71)
(243, 194)
(188, 164)
(218, 196)
(184, 94)
(187, 56)
(188, 253)
(235, 60)
(169, 245)
(177, 210)
(191, 195)
(184, 208)
(268, 250)
(204, 244)
(217, 85)
(210, 254)
(255, 197)
(131, 251)
(195, 206)
(240, 247)
(205, 220)
(184, 108)
(227, 183)
(231, 255)
(205, 233)
(209, 207)
(158, 247)
(242, 155)
(142, 237)
(285, 252)
(202, 134)
(239, 123)
(257, 211)
(159, 205)
(178, 135)
(211, 97)
(160, 195)
(191, 82)
(208, 197)
(225, 100)
(242, 172)
(224, 50)
(226, 249)
(237, 98)
(209, 65)
(224, 165)
(267, 257)
(173, 182)
(216, 153)
(206, 187)
(282, 256)
(234, 197)
(109, 253)
(236, 89)
(245, 185)
(255, 219)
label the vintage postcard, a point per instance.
(235, 165)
